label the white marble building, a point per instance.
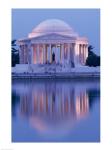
(53, 42)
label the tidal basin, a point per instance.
(55, 111)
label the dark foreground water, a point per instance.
(55, 111)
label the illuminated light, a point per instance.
(77, 106)
(82, 105)
(41, 103)
(46, 99)
(35, 101)
(37, 123)
(66, 104)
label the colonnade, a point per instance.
(43, 53)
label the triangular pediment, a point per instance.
(53, 36)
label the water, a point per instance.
(55, 111)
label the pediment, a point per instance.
(54, 37)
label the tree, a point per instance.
(92, 60)
(14, 53)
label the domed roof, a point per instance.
(52, 26)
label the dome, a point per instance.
(52, 26)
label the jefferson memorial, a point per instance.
(53, 41)
(52, 44)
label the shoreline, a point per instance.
(70, 75)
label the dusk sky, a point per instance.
(85, 22)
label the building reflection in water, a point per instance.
(52, 103)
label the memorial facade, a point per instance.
(53, 41)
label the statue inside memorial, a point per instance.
(53, 57)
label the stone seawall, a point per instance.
(56, 75)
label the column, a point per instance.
(86, 50)
(75, 57)
(26, 54)
(29, 53)
(78, 53)
(62, 53)
(55, 51)
(84, 53)
(60, 60)
(59, 54)
(68, 55)
(41, 54)
(44, 57)
(56, 54)
(25, 60)
(46, 53)
(20, 54)
(37, 53)
(73, 54)
(50, 53)
(32, 53)
(42, 50)
(23, 53)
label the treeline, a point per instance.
(92, 60)
(14, 53)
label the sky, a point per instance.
(85, 22)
